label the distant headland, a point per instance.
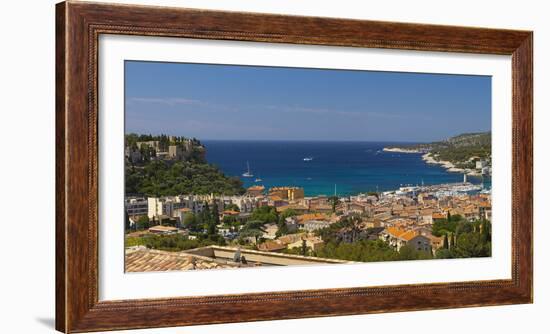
(468, 153)
(402, 150)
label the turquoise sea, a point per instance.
(348, 167)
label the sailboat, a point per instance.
(258, 179)
(308, 158)
(247, 173)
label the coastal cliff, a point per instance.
(165, 165)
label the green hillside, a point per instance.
(461, 148)
(162, 177)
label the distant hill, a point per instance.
(460, 150)
(469, 140)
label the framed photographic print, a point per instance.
(222, 166)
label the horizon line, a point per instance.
(314, 140)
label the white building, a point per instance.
(155, 144)
(136, 206)
(398, 238)
(245, 203)
(480, 164)
(158, 206)
(313, 225)
(169, 205)
(175, 152)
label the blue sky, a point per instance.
(274, 103)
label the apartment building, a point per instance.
(136, 206)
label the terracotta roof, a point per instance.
(163, 228)
(270, 246)
(298, 207)
(395, 231)
(142, 259)
(282, 208)
(290, 238)
(231, 212)
(321, 206)
(312, 216)
(408, 235)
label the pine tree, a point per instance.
(206, 213)
(445, 242)
(485, 231)
(212, 228)
(216, 214)
(452, 241)
(334, 200)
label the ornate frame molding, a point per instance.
(78, 27)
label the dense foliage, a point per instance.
(369, 251)
(252, 229)
(162, 178)
(174, 242)
(362, 251)
(441, 227)
(461, 148)
(265, 214)
(282, 227)
(463, 239)
(202, 226)
(330, 234)
(157, 177)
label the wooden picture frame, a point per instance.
(78, 26)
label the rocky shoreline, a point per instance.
(449, 166)
(466, 150)
(401, 150)
(429, 159)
